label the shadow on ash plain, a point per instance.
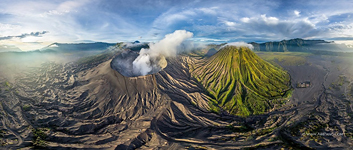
(95, 107)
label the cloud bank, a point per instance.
(239, 44)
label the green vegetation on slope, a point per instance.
(39, 137)
(285, 58)
(7, 84)
(240, 82)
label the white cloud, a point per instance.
(230, 23)
(269, 20)
(67, 21)
(70, 20)
(209, 40)
(319, 19)
(8, 26)
(239, 44)
(297, 13)
(245, 19)
(341, 30)
(264, 26)
(212, 10)
(65, 7)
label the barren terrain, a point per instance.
(62, 105)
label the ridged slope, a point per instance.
(240, 82)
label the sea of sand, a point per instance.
(93, 106)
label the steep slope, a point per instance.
(240, 82)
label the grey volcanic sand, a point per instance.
(98, 108)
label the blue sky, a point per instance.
(32, 24)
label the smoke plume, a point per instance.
(153, 59)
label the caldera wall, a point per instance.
(126, 64)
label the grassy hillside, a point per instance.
(285, 58)
(241, 82)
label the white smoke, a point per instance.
(239, 44)
(167, 47)
(142, 64)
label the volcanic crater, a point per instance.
(125, 64)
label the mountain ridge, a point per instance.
(298, 45)
(77, 46)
